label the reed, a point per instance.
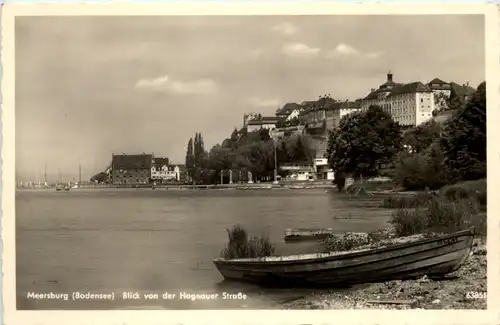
(407, 201)
(241, 246)
(439, 215)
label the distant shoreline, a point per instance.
(253, 186)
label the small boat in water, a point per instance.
(434, 257)
(295, 235)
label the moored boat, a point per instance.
(434, 257)
(294, 235)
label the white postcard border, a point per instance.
(14, 317)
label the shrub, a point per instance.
(408, 221)
(474, 190)
(417, 171)
(239, 246)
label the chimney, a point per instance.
(373, 89)
(389, 76)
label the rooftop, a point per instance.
(159, 162)
(413, 87)
(437, 81)
(347, 105)
(288, 108)
(123, 161)
(264, 120)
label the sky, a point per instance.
(87, 87)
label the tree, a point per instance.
(420, 170)
(363, 143)
(421, 137)
(442, 102)
(99, 177)
(463, 139)
(190, 157)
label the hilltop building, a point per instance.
(262, 122)
(439, 86)
(339, 110)
(409, 104)
(289, 111)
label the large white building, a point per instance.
(409, 104)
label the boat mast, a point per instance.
(45, 174)
(79, 173)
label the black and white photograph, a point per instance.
(250, 162)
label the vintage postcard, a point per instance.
(244, 160)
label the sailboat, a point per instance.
(59, 186)
(77, 184)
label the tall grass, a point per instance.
(368, 186)
(240, 246)
(439, 215)
(407, 200)
(476, 190)
(471, 190)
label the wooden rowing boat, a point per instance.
(433, 257)
(294, 235)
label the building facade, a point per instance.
(131, 169)
(264, 122)
(162, 172)
(409, 104)
(288, 111)
(439, 86)
(339, 110)
(322, 170)
(298, 172)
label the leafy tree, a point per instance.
(442, 102)
(464, 139)
(421, 137)
(421, 170)
(363, 143)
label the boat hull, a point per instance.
(433, 257)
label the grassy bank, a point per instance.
(451, 208)
(475, 190)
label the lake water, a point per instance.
(127, 240)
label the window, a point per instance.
(421, 100)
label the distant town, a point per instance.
(409, 104)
